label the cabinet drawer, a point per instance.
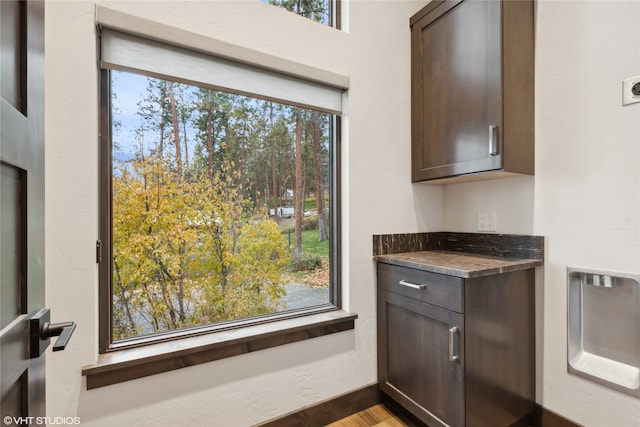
(433, 288)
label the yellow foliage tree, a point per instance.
(189, 252)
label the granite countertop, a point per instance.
(459, 264)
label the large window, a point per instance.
(219, 193)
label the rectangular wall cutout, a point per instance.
(603, 324)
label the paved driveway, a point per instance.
(300, 296)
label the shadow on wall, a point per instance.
(428, 207)
(216, 375)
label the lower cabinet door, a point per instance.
(421, 358)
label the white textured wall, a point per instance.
(586, 191)
(510, 198)
(378, 199)
(584, 198)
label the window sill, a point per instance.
(129, 364)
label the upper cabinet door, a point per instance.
(463, 63)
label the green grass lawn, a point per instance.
(309, 204)
(318, 276)
(310, 243)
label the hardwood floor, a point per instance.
(377, 415)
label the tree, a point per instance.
(298, 193)
(209, 109)
(176, 128)
(317, 10)
(192, 240)
(210, 119)
(315, 137)
(154, 110)
(188, 253)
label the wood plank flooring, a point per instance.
(378, 416)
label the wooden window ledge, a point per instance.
(128, 364)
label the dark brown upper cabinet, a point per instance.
(472, 96)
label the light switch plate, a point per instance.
(631, 90)
(487, 221)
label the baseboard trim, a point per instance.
(336, 408)
(330, 410)
(546, 418)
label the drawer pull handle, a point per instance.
(411, 285)
(453, 334)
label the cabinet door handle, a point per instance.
(453, 334)
(493, 140)
(411, 285)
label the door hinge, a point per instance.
(98, 251)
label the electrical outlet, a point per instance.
(487, 221)
(631, 90)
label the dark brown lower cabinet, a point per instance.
(459, 358)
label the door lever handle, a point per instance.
(41, 330)
(61, 330)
